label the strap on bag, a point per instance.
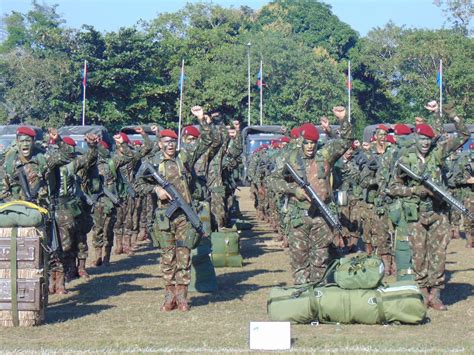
(13, 277)
(378, 298)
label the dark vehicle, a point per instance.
(133, 136)
(78, 133)
(255, 136)
(8, 135)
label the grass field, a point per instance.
(117, 310)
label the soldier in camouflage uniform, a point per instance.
(124, 229)
(175, 234)
(425, 215)
(310, 236)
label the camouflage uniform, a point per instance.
(124, 229)
(425, 217)
(310, 236)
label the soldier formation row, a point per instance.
(114, 195)
(381, 191)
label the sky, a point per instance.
(110, 15)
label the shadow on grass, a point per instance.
(230, 287)
(105, 282)
(456, 291)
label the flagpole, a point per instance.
(349, 89)
(181, 81)
(248, 76)
(84, 85)
(261, 92)
(441, 88)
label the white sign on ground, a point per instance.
(270, 335)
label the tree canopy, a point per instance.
(133, 73)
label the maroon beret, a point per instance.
(137, 142)
(295, 132)
(168, 133)
(191, 131)
(285, 140)
(309, 131)
(382, 127)
(391, 139)
(401, 129)
(124, 137)
(69, 141)
(26, 131)
(425, 130)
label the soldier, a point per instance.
(175, 234)
(425, 215)
(310, 236)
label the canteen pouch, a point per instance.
(192, 238)
(161, 236)
(395, 211)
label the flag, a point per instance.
(439, 77)
(260, 83)
(349, 82)
(84, 74)
(181, 80)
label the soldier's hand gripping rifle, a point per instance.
(177, 200)
(437, 190)
(54, 245)
(328, 216)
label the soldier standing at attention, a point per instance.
(176, 235)
(310, 237)
(427, 223)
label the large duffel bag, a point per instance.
(21, 214)
(226, 248)
(203, 275)
(400, 302)
(357, 272)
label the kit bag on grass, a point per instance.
(294, 304)
(400, 302)
(358, 272)
(203, 275)
(226, 248)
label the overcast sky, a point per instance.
(110, 15)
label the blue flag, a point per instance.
(181, 81)
(439, 77)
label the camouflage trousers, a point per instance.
(104, 221)
(84, 224)
(67, 231)
(428, 239)
(124, 224)
(218, 213)
(309, 240)
(175, 260)
(136, 213)
(375, 230)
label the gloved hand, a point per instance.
(421, 191)
(301, 195)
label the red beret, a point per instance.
(425, 130)
(69, 141)
(391, 139)
(104, 144)
(124, 137)
(383, 127)
(276, 144)
(295, 132)
(309, 131)
(264, 146)
(471, 146)
(191, 131)
(168, 133)
(401, 129)
(137, 142)
(285, 140)
(26, 131)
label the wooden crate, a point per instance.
(31, 278)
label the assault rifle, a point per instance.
(328, 216)
(177, 200)
(30, 194)
(54, 245)
(437, 190)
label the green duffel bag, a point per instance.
(400, 302)
(203, 275)
(358, 272)
(226, 249)
(294, 304)
(21, 214)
